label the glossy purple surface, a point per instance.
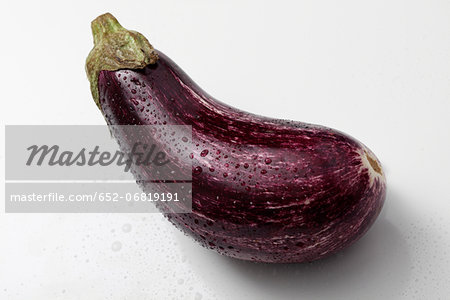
(263, 189)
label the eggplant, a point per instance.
(263, 189)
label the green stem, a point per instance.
(115, 48)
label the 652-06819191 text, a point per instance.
(100, 197)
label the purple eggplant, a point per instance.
(263, 189)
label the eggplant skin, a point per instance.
(263, 189)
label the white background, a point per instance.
(378, 70)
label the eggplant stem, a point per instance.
(115, 48)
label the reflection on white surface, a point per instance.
(378, 266)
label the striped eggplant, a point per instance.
(263, 189)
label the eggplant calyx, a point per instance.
(115, 48)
